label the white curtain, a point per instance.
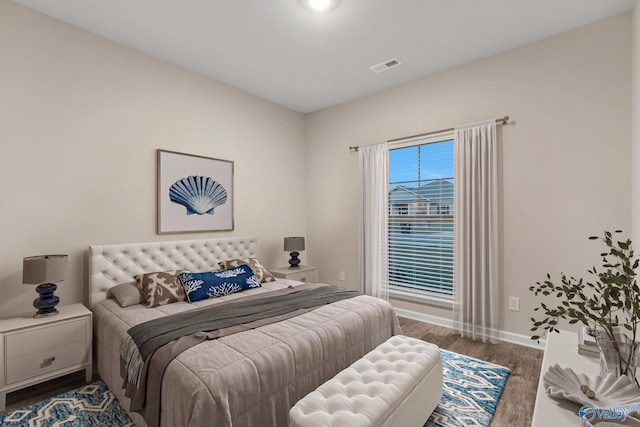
(476, 231)
(373, 169)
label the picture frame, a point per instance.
(194, 193)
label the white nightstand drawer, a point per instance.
(37, 349)
(305, 273)
(303, 276)
(32, 365)
(53, 335)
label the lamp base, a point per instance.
(46, 303)
(53, 313)
(294, 262)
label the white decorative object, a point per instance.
(611, 391)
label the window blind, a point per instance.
(421, 213)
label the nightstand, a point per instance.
(304, 273)
(36, 350)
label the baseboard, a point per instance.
(505, 336)
(524, 340)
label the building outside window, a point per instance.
(421, 212)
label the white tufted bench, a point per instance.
(397, 384)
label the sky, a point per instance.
(423, 162)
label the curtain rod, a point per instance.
(504, 120)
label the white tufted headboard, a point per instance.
(110, 265)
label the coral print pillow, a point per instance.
(260, 272)
(212, 284)
(161, 287)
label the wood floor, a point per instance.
(515, 408)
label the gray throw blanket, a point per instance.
(147, 338)
(151, 335)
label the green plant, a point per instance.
(608, 302)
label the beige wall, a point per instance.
(80, 120)
(635, 125)
(565, 160)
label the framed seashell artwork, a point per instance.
(195, 193)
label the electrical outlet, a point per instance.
(514, 304)
(342, 276)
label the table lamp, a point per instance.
(293, 245)
(41, 270)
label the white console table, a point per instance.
(562, 349)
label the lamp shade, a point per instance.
(292, 244)
(41, 269)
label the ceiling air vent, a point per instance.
(384, 66)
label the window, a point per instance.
(421, 213)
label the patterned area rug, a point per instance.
(91, 405)
(471, 391)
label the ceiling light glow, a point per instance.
(319, 5)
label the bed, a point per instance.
(249, 378)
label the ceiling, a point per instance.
(281, 51)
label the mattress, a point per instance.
(250, 378)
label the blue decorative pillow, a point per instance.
(212, 284)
